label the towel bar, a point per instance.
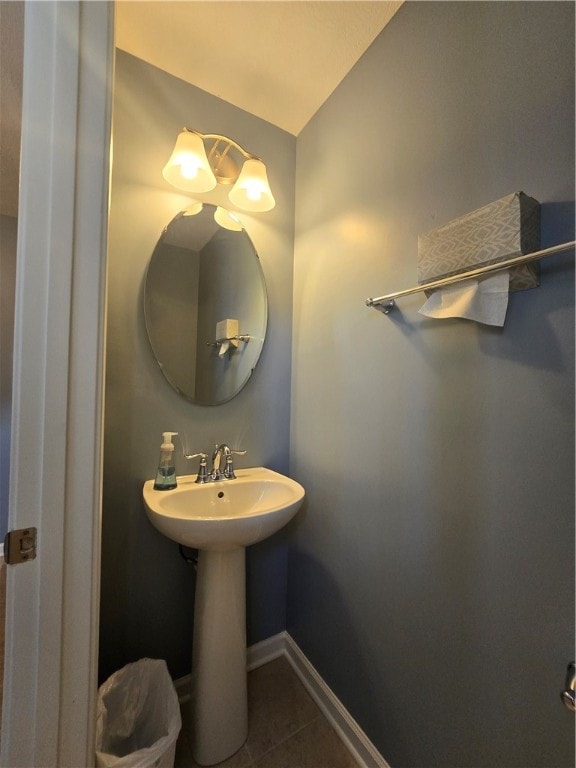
(387, 303)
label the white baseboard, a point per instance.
(350, 733)
(182, 685)
(348, 730)
(256, 655)
(267, 650)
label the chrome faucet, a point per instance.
(220, 452)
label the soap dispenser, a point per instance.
(166, 474)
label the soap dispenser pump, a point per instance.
(166, 474)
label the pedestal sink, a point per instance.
(220, 519)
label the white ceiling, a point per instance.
(279, 60)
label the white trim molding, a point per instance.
(52, 602)
(348, 730)
(350, 733)
(265, 651)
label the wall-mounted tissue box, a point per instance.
(227, 329)
(501, 230)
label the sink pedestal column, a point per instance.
(219, 695)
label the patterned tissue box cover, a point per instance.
(501, 230)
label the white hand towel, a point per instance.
(484, 301)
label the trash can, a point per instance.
(138, 717)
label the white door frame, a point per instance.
(55, 479)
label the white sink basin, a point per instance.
(221, 519)
(227, 513)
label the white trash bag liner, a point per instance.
(138, 717)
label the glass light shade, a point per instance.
(252, 191)
(193, 210)
(227, 219)
(188, 167)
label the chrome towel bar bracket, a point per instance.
(245, 337)
(568, 696)
(385, 306)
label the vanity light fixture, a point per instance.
(227, 219)
(193, 209)
(222, 217)
(193, 169)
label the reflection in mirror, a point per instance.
(204, 286)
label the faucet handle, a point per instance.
(202, 470)
(229, 467)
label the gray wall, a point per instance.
(432, 569)
(230, 289)
(147, 589)
(171, 312)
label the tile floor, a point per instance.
(286, 728)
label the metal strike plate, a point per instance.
(568, 696)
(20, 546)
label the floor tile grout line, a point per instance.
(287, 738)
(251, 763)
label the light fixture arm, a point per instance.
(229, 142)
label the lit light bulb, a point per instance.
(251, 192)
(188, 168)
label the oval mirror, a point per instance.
(205, 304)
